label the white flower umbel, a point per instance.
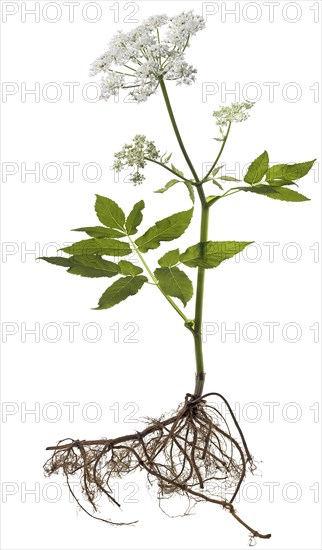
(237, 112)
(137, 59)
(135, 154)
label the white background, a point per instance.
(156, 371)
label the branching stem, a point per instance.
(156, 282)
(219, 154)
(167, 168)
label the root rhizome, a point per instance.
(192, 453)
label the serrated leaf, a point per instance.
(57, 260)
(216, 170)
(167, 186)
(278, 193)
(134, 218)
(99, 232)
(285, 194)
(164, 230)
(211, 253)
(178, 172)
(120, 290)
(191, 190)
(228, 178)
(169, 258)
(175, 282)
(127, 268)
(109, 213)
(257, 169)
(218, 184)
(87, 264)
(108, 247)
(289, 171)
(87, 272)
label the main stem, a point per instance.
(200, 373)
(197, 329)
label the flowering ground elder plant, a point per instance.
(194, 452)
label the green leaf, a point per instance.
(228, 178)
(219, 139)
(169, 258)
(175, 282)
(289, 171)
(120, 290)
(167, 186)
(167, 158)
(134, 218)
(285, 194)
(218, 184)
(63, 262)
(178, 172)
(127, 268)
(191, 190)
(92, 265)
(212, 198)
(278, 193)
(109, 213)
(87, 272)
(257, 169)
(99, 231)
(211, 253)
(171, 183)
(109, 247)
(87, 266)
(216, 170)
(164, 230)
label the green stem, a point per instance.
(167, 168)
(176, 129)
(197, 324)
(200, 374)
(156, 282)
(234, 191)
(227, 194)
(219, 154)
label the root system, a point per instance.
(193, 454)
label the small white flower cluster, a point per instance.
(153, 50)
(237, 112)
(134, 154)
